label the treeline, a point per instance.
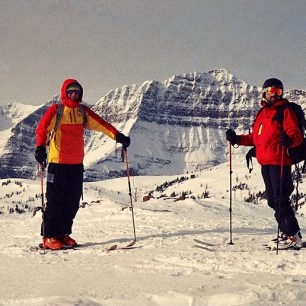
(164, 186)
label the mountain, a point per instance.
(10, 115)
(176, 126)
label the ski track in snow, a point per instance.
(165, 267)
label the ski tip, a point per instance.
(131, 244)
(268, 248)
(113, 247)
(128, 246)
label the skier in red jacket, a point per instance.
(66, 153)
(270, 139)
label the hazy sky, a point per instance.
(110, 43)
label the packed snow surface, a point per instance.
(166, 266)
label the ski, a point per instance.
(40, 247)
(124, 247)
(204, 243)
(291, 248)
(203, 247)
(271, 247)
(274, 248)
(65, 247)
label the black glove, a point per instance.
(285, 140)
(232, 137)
(41, 155)
(124, 140)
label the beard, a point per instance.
(273, 99)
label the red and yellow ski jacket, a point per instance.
(266, 134)
(67, 144)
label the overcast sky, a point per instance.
(106, 44)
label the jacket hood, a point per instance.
(65, 100)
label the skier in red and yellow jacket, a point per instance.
(66, 154)
(271, 141)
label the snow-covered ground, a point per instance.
(165, 267)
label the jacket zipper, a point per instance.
(74, 116)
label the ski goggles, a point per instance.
(273, 91)
(75, 91)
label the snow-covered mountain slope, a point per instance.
(165, 267)
(17, 149)
(10, 115)
(176, 126)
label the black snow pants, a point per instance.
(64, 190)
(284, 213)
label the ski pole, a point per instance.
(280, 197)
(130, 193)
(230, 183)
(298, 177)
(41, 168)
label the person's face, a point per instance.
(272, 98)
(73, 95)
(273, 94)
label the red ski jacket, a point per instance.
(266, 134)
(67, 144)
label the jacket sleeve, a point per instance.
(46, 125)
(96, 123)
(291, 127)
(246, 140)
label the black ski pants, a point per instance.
(64, 190)
(284, 213)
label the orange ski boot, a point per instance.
(52, 244)
(66, 240)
